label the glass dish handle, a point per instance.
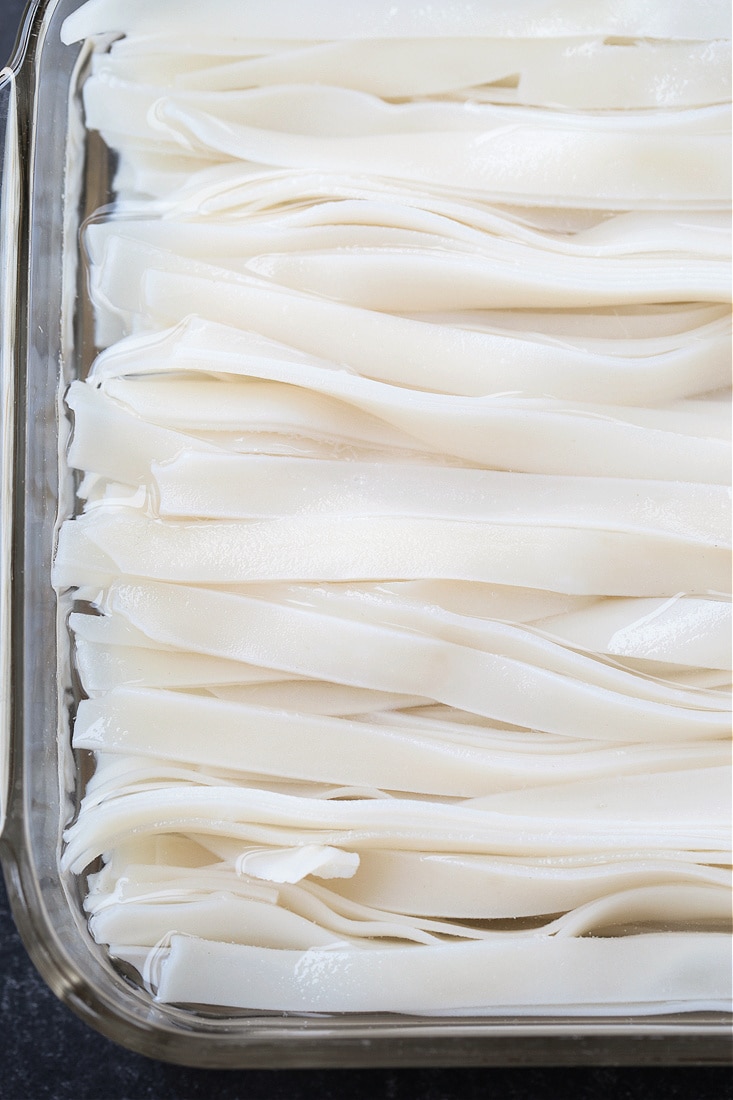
(10, 175)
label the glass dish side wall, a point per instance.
(51, 345)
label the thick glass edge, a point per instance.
(9, 215)
(22, 41)
(265, 1042)
(13, 161)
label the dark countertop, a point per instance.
(46, 1053)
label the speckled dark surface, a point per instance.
(46, 1053)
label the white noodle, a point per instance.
(403, 506)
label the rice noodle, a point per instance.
(403, 549)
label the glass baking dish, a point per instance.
(47, 341)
